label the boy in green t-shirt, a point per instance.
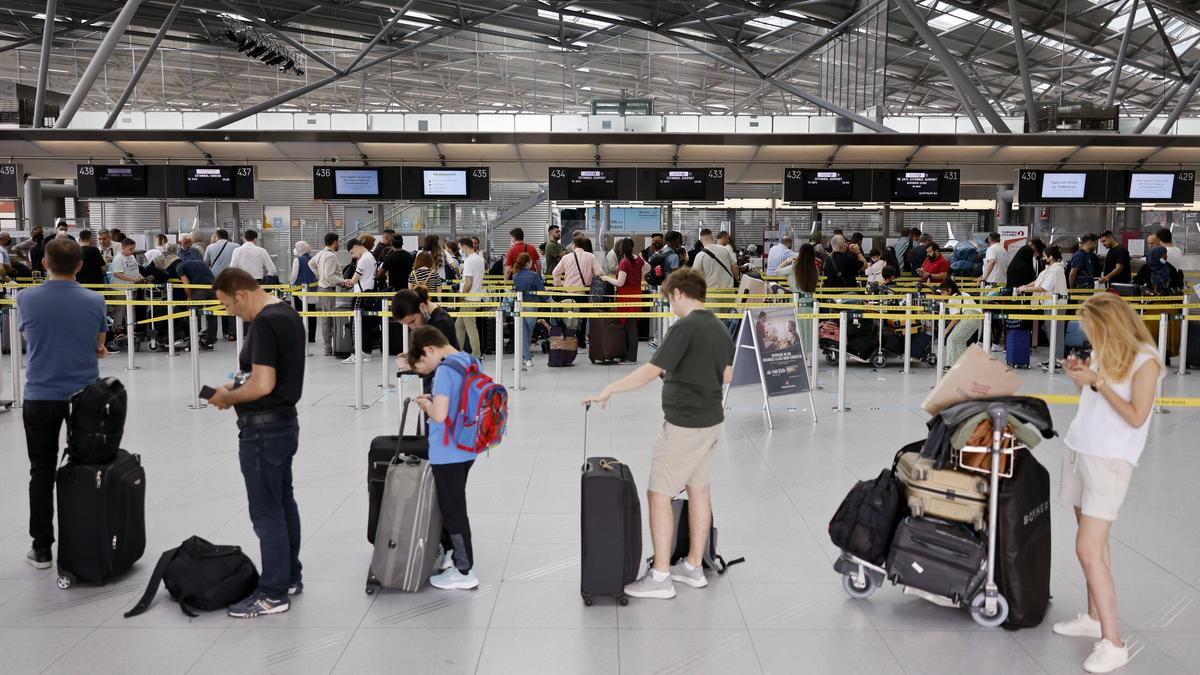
(695, 360)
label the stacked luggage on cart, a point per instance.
(961, 519)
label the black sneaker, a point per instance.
(296, 588)
(257, 604)
(39, 558)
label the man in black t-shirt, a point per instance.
(1116, 261)
(94, 269)
(397, 265)
(265, 394)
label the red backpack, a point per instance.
(478, 420)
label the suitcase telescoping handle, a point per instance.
(400, 436)
(999, 416)
(586, 408)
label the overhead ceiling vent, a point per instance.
(1077, 117)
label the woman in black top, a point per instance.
(413, 308)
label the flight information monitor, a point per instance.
(1177, 187)
(356, 182)
(208, 181)
(585, 184)
(818, 185)
(1035, 186)
(126, 180)
(941, 185)
(1063, 185)
(681, 184)
(443, 183)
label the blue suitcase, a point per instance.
(1016, 347)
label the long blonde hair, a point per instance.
(1116, 332)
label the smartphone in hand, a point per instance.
(207, 392)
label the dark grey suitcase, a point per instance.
(945, 559)
(410, 527)
(611, 528)
(379, 457)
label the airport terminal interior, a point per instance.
(836, 267)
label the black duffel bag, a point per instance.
(866, 520)
(202, 576)
(96, 421)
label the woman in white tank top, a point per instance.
(1116, 393)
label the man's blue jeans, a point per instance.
(266, 453)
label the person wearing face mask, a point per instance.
(1052, 281)
(413, 308)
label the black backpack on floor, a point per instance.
(201, 576)
(866, 521)
(96, 421)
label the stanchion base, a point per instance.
(1161, 411)
(837, 409)
(133, 368)
(6, 405)
(197, 407)
(386, 387)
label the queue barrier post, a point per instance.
(1053, 327)
(14, 353)
(841, 395)
(385, 352)
(130, 328)
(941, 342)
(500, 344)
(239, 329)
(358, 360)
(987, 331)
(170, 322)
(908, 300)
(816, 342)
(518, 357)
(193, 325)
(1183, 341)
(1162, 356)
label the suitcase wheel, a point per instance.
(856, 590)
(65, 581)
(587, 601)
(979, 610)
(624, 600)
(372, 585)
(879, 361)
(982, 486)
(831, 357)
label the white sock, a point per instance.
(658, 576)
(689, 566)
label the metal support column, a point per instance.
(908, 300)
(499, 377)
(1181, 105)
(1023, 66)
(385, 353)
(130, 341)
(1162, 356)
(141, 68)
(39, 101)
(96, 66)
(950, 65)
(941, 343)
(815, 354)
(14, 354)
(170, 322)
(1120, 64)
(518, 359)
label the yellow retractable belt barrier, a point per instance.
(1174, 402)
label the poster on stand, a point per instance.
(770, 353)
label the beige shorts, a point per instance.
(682, 456)
(1095, 485)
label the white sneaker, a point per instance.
(528, 364)
(445, 561)
(694, 578)
(649, 587)
(1081, 626)
(1106, 657)
(352, 359)
(452, 579)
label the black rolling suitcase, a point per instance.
(611, 522)
(944, 559)
(383, 449)
(1023, 543)
(606, 340)
(101, 519)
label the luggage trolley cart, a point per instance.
(987, 606)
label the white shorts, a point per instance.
(1095, 485)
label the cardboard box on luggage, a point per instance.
(976, 375)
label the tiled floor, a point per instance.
(782, 612)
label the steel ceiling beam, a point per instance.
(1181, 105)
(379, 36)
(39, 99)
(80, 25)
(105, 50)
(141, 67)
(1119, 67)
(830, 35)
(279, 33)
(1162, 102)
(1166, 40)
(950, 65)
(300, 91)
(1031, 116)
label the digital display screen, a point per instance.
(8, 181)
(917, 186)
(680, 184)
(356, 182)
(591, 184)
(1063, 185)
(1151, 186)
(444, 182)
(121, 181)
(828, 186)
(209, 181)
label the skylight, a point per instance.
(572, 19)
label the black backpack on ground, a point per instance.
(866, 521)
(683, 540)
(96, 421)
(201, 576)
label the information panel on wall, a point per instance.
(164, 181)
(1035, 186)
(871, 185)
(397, 183)
(682, 184)
(628, 184)
(9, 186)
(1175, 187)
(938, 186)
(208, 182)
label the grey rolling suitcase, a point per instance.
(343, 336)
(410, 527)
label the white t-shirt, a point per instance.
(1054, 280)
(999, 273)
(474, 268)
(127, 265)
(964, 304)
(366, 271)
(875, 272)
(1099, 431)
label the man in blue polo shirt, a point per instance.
(64, 326)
